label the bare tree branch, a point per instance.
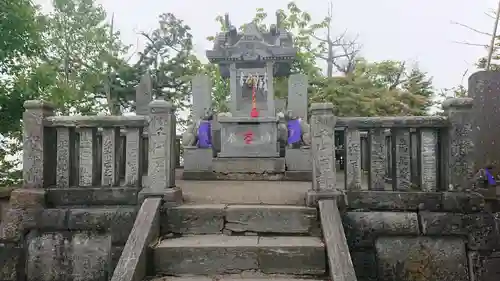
(471, 28)
(470, 44)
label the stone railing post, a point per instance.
(35, 148)
(322, 152)
(458, 166)
(161, 150)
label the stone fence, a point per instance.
(417, 153)
(85, 151)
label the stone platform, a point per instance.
(251, 169)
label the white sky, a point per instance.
(412, 30)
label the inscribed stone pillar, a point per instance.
(459, 147)
(160, 146)
(36, 173)
(323, 146)
(143, 95)
(484, 89)
(297, 95)
(202, 100)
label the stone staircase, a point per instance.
(234, 241)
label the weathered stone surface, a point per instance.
(92, 196)
(53, 219)
(483, 231)
(220, 254)
(198, 159)
(23, 198)
(428, 159)
(10, 258)
(391, 200)
(365, 265)
(378, 155)
(15, 222)
(298, 159)
(363, 227)
(402, 159)
(323, 146)
(90, 257)
(194, 219)
(48, 257)
(270, 219)
(352, 159)
(484, 266)
(462, 202)
(249, 165)
(440, 224)
(421, 258)
(118, 221)
(208, 254)
(134, 264)
(291, 255)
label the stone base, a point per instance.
(212, 176)
(171, 196)
(249, 165)
(198, 159)
(313, 196)
(298, 159)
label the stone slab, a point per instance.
(244, 192)
(92, 196)
(394, 200)
(298, 159)
(362, 228)
(421, 258)
(11, 256)
(249, 165)
(198, 159)
(118, 221)
(193, 219)
(212, 176)
(270, 219)
(219, 254)
(249, 139)
(484, 266)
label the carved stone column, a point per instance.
(36, 173)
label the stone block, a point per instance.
(270, 219)
(15, 222)
(90, 257)
(53, 219)
(118, 221)
(48, 257)
(394, 200)
(198, 159)
(11, 257)
(463, 202)
(194, 219)
(362, 228)
(292, 255)
(484, 266)
(249, 137)
(441, 224)
(298, 159)
(365, 265)
(171, 196)
(483, 231)
(24, 198)
(421, 258)
(92, 196)
(249, 165)
(206, 255)
(220, 254)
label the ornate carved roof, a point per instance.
(252, 45)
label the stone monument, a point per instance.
(260, 133)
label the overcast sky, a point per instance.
(411, 30)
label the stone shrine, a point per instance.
(260, 134)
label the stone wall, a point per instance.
(65, 233)
(422, 236)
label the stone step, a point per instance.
(236, 278)
(244, 192)
(221, 254)
(237, 219)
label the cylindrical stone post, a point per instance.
(323, 146)
(36, 173)
(459, 165)
(161, 146)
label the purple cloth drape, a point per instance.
(205, 134)
(294, 131)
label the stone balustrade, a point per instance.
(403, 153)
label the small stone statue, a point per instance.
(483, 179)
(299, 126)
(190, 136)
